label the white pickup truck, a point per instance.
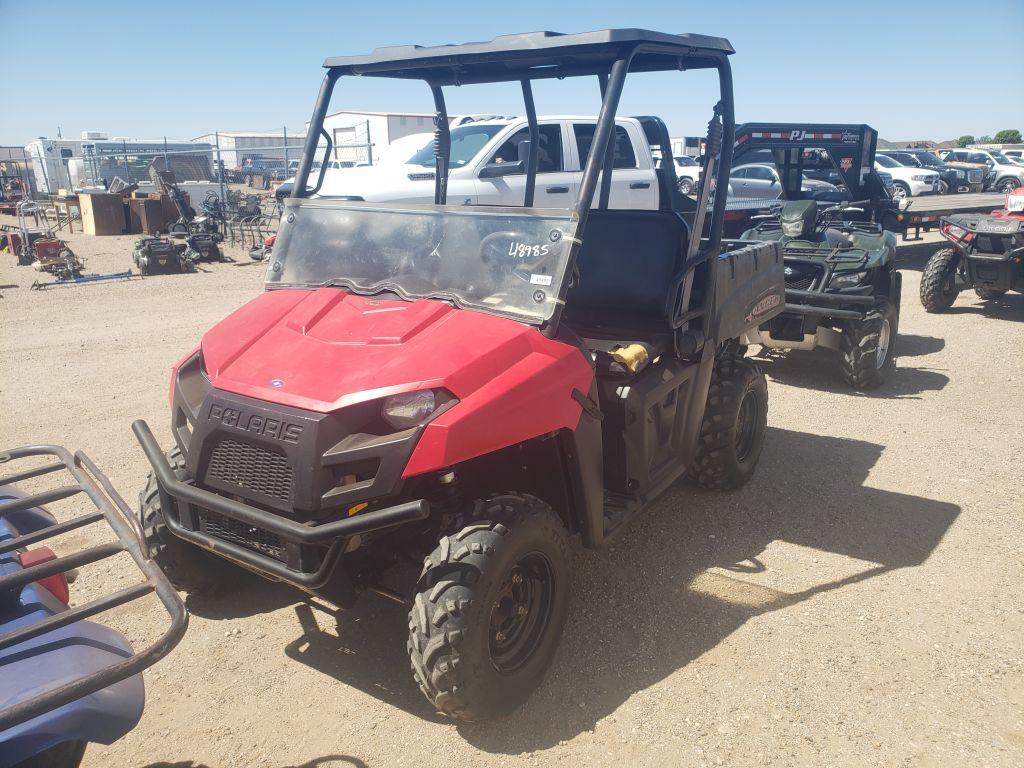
(485, 168)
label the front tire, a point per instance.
(943, 187)
(188, 567)
(900, 190)
(938, 281)
(490, 606)
(1006, 186)
(867, 348)
(734, 425)
(686, 185)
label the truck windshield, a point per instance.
(467, 141)
(928, 160)
(506, 261)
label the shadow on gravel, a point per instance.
(819, 370)
(649, 606)
(1009, 306)
(914, 256)
(327, 761)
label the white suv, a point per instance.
(907, 181)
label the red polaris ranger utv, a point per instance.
(472, 386)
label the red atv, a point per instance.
(986, 255)
(471, 387)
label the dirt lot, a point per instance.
(858, 604)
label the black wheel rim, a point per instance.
(746, 425)
(521, 613)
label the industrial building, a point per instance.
(359, 136)
(238, 146)
(95, 159)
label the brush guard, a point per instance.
(110, 508)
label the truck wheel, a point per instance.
(943, 187)
(188, 567)
(489, 608)
(686, 185)
(900, 190)
(938, 282)
(988, 293)
(867, 348)
(735, 419)
(1007, 185)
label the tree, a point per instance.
(964, 140)
(1008, 136)
(984, 140)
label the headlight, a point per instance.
(954, 231)
(921, 177)
(961, 175)
(846, 279)
(409, 409)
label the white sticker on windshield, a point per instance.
(540, 279)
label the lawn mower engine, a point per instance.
(153, 254)
(54, 256)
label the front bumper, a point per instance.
(311, 550)
(924, 187)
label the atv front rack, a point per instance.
(110, 507)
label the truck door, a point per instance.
(555, 187)
(634, 184)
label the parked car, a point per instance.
(951, 178)
(1016, 155)
(908, 181)
(1003, 175)
(688, 172)
(762, 180)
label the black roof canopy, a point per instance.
(536, 55)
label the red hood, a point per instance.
(324, 349)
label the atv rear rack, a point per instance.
(110, 507)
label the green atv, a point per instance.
(842, 288)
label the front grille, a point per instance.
(801, 277)
(252, 468)
(242, 534)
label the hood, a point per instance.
(325, 349)
(393, 183)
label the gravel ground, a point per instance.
(858, 604)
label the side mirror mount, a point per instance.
(523, 153)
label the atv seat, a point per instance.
(628, 270)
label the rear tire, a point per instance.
(867, 348)
(188, 567)
(734, 425)
(490, 606)
(938, 281)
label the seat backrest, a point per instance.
(625, 269)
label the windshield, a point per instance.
(999, 157)
(507, 261)
(886, 162)
(909, 160)
(467, 141)
(928, 160)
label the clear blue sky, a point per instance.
(181, 68)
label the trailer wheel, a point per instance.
(988, 293)
(489, 608)
(938, 282)
(735, 420)
(867, 348)
(188, 567)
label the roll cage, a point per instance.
(608, 56)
